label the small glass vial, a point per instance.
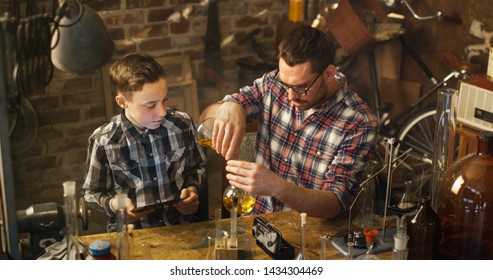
(71, 232)
(131, 251)
(100, 250)
(122, 227)
(146, 251)
(303, 255)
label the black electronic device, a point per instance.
(271, 241)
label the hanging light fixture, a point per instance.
(80, 42)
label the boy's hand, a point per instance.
(189, 202)
(131, 215)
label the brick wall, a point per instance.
(72, 106)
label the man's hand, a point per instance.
(131, 215)
(189, 202)
(229, 129)
(258, 179)
(253, 178)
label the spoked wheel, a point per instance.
(417, 133)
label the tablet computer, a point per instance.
(156, 205)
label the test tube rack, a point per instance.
(227, 250)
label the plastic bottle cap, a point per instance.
(100, 247)
(121, 201)
(69, 188)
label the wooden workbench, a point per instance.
(189, 241)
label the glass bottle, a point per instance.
(121, 227)
(466, 205)
(100, 250)
(71, 232)
(424, 233)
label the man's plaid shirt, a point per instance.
(327, 151)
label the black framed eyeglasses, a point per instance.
(299, 90)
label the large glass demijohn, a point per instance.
(465, 205)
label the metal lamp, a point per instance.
(80, 41)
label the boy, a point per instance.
(148, 151)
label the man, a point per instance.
(315, 135)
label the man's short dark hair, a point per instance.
(305, 43)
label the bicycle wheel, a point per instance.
(418, 133)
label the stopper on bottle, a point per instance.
(69, 188)
(121, 201)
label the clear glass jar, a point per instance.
(466, 205)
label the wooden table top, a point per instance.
(189, 241)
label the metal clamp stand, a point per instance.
(384, 242)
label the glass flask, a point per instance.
(245, 201)
(424, 233)
(205, 133)
(466, 205)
